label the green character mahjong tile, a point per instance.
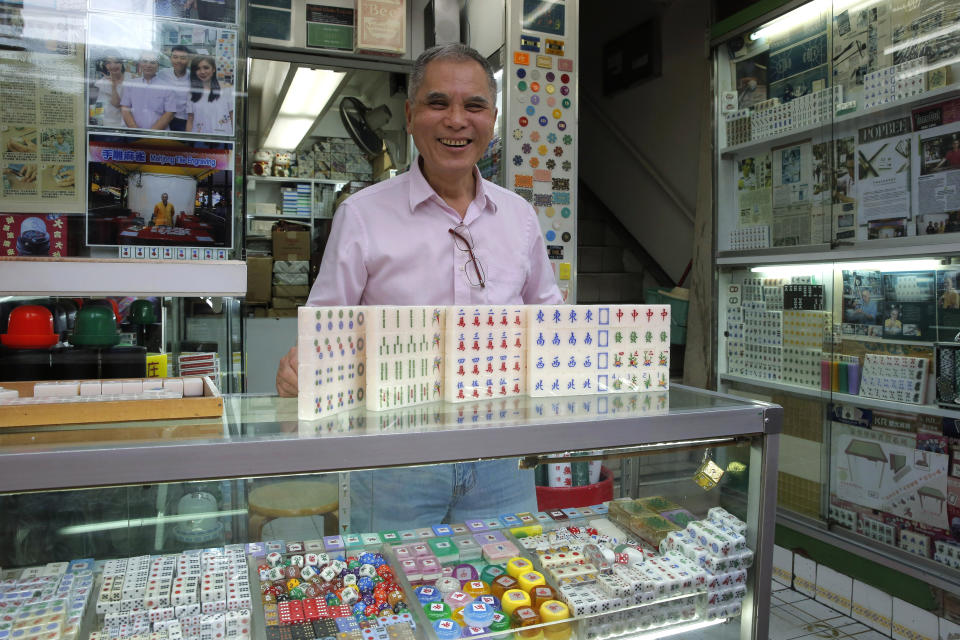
(444, 549)
(648, 336)
(618, 337)
(633, 337)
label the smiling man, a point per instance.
(437, 235)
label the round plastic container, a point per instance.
(566, 497)
(30, 326)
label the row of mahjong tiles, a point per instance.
(391, 357)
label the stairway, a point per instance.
(612, 266)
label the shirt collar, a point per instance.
(421, 191)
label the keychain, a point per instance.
(709, 473)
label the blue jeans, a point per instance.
(397, 499)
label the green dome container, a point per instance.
(95, 326)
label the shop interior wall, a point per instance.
(661, 118)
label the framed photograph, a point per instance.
(160, 75)
(159, 192)
(909, 305)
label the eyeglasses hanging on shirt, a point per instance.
(473, 268)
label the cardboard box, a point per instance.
(296, 279)
(287, 303)
(259, 278)
(382, 162)
(286, 266)
(281, 313)
(291, 290)
(291, 245)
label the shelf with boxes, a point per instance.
(872, 344)
(281, 198)
(828, 137)
(804, 116)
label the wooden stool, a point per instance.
(291, 499)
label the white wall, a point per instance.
(660, 117)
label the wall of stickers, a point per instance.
(540, 131)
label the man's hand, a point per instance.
(287, 374)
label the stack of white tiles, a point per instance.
(393, 357)
(197, 594)
(331, 360)
(891, 84)
(585, 349)
(485, 354)
(404, 356)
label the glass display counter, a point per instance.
(652, 516)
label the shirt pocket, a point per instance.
(503, 284)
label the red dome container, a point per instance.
(30, 327)
(549, 498)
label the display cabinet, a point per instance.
(836, 246)
(676, 465)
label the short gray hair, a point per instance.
(456, 52)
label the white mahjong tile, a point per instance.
(404, 356)
(484, 352)
(331, 352)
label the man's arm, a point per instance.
(540, 286)
(128, 117)
(164, 121)
(342, 278)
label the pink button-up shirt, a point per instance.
(390, 244)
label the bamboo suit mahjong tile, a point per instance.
(803, 334)
(584, 349)
(330, 346)
(484, 352)
(404, 356)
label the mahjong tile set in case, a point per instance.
(637, 564)
(391, 357)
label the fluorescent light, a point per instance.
(146, 522)
(306, 98)
(787, 270)
(795, 18)
(912, 42)
(287, 132)
(666, 632)
(927, 264)
(807, 12)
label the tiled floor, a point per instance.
(794, 616)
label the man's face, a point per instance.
(452, 117)
(865, 295)
(164, 198)
(179, 61)
(148, 67)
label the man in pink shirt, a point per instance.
(438, 234)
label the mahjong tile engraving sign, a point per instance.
(540, 107)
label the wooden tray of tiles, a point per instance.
(209, 405)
